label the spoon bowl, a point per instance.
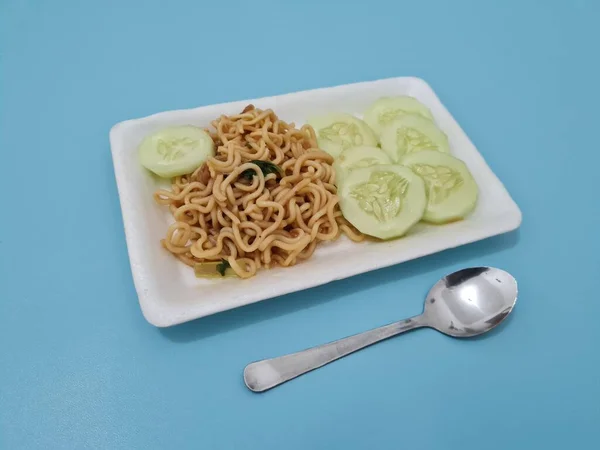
(470, 302)
(465, 303)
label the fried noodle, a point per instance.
(262, 221)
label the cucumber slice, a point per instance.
(338, 131)
(451, 190)
(383, 201)
(176, 150)
(387, 109)
(410, 134)
(357, 158)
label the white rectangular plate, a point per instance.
(169, 293)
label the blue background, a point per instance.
(79, 366)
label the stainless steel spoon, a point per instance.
(463, 304)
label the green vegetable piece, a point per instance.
(266, 167)
(223, 266)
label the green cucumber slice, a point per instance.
(410, 134)
(383, 201)
(175, 150)
(357, 158)
(338, 131)
(386, 109)
(451, 190)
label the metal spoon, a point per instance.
(463, 304)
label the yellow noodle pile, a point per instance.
(270, 220)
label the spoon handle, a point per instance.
(263, 375)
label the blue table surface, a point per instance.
(81, 368)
